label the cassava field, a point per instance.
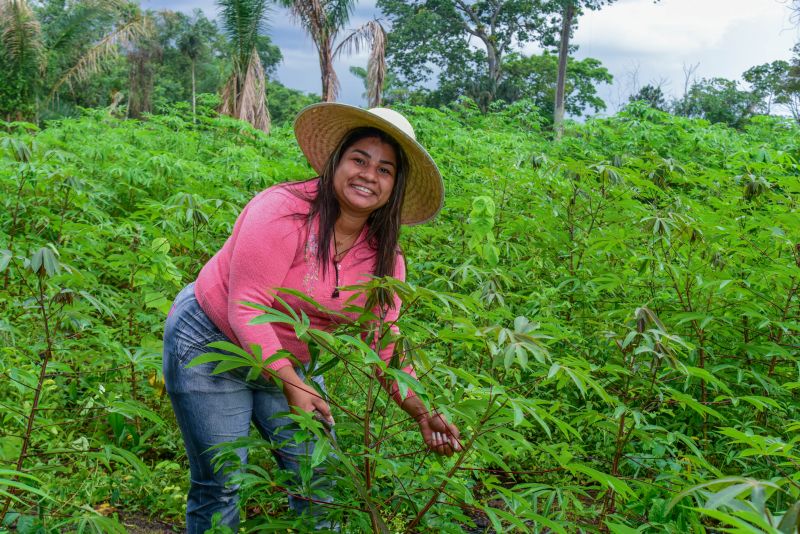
(613, 320)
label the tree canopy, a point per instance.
(463, 43)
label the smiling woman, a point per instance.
(364, 178)
(317, 237)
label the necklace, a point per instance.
(340, 253)
(336, 262)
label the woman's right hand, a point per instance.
(301, 396)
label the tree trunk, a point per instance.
(563, 52)
(330, 85)
(495, 63)
(194, 95)
(244, 95)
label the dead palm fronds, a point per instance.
(21, 36)
(247, 100)
(244, 95)
(372, 35)
(92, 61)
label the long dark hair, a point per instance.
(384, 223)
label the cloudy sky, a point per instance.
(639, 41)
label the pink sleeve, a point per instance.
(392, 314)
(267, 238)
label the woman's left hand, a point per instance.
(440, 436)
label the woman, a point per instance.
(316, 237)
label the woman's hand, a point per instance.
(440, 436)
(301, 396)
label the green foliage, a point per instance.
(392, 91)
(242, 21)
(719, 100)
(440, 36)
(481, 223)
(285, 103)
(777, 83)
(611, 319)
(768, 81)
(652, 95)
(154, 73)
(534, 78)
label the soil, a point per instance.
(138, 523)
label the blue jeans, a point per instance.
(214, 409)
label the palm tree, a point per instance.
(21, 35)
(192, 44)
(26, 48)
(133, 28)
(324, 20)
(373, 35)
(22, 54)
(244, 95)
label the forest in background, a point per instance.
(611, 317)
(58, 56)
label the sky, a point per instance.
(640, 42)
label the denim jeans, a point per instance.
(214, 409)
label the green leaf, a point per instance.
(619, 528)
(730, 519)
(157, 301)
(270, 315)
(5, 259)
(321, 450)
(131, 409)
(207, 357)
(604, 479)
(160, 245)
(227, 346)
(6, 481)
(790, 522)
(406, 382)
(45, 262)
(686, 400)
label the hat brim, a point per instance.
(319, 129)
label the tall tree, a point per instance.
(244, 95)
(652, 94)
(192, 43)
(22, 56)
(76, 43)
(791, 87)
(464, 40)
(372, 35)
(534, 78)
(719, 100)
(323, 20)
(770, 82)
(570, 10)
(144, 57)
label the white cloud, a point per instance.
(641, 42)
(670, 27)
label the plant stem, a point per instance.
(37, 393)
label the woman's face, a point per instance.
(364, 178)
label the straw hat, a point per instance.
(319, 129)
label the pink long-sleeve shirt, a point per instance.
(271, 247)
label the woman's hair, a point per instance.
(384, 223)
